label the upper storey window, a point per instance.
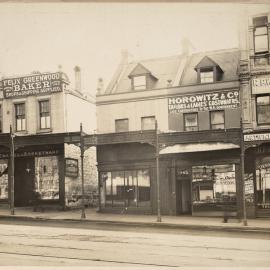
(208, 71)
(141, 78)
(261, 35)
(207, 76)
(139, 82)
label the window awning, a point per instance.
(197, 147)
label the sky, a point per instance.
(43, 36)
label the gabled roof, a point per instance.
(207, 62)
(171, 69)
(140, 70)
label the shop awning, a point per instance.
(197, 147)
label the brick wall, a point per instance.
(73, 185)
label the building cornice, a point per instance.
(165, 92)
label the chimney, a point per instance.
(186, 46)
(77, 71)
(100, 86)
(124, 54)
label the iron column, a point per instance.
(82, 169)
(12, 212)
(157, 173)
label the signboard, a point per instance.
(37, 84)
(257, 137)
(204, 102)
(261, 85)
(72, 168)
(33, 153)
(249, 187)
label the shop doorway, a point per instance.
(183, 196)
(24, 175)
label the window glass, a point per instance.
(44, 110)
(148, 122)
(3, 179)
(213, 184)
(191, 121)
(263, 109)
(1, 118)
(263, 182)
(261, 39)
(139, 82)
(125, 188)
(121, 125)
(20, 116)
(217, 119)
(207, 76)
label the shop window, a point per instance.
(207, 76)
(213, 186)
(125, 188)
(260, 35)
(263, 182)
(191, 121)
(20, 117)
(148, 122)
(3, 179)
(139, 82)
(217, 120)
(1, 118)
(263, 109)
(121, 125)
(44, 114)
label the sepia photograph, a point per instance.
(134, 134)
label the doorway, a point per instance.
(24, 175)
(183, 196)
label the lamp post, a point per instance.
(242, 159)
(11, 148)
(157, 173)
(82, 169)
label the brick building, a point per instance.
(44, 112)
(195, 101)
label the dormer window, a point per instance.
(260, 35)
(207, 76)
(208, 71)
(139, 82)
(141, 78)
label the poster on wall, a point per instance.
(3, 179)
(71, 167)
(204, 102)
(249, 187)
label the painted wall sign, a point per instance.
(204, 102)
(261, 85)
(36, 84)
(257, 137)
(72, 168)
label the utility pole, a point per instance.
(242, 158)
(157, 173)
(82, 170)
(11, 148)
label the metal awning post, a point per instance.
(242, 159)
(12, 211)
(157, 173)
(83, 216)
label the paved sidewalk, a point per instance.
(185, 222)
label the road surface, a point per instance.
(29, 244)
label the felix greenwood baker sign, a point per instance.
(204, 102)
(36, 84)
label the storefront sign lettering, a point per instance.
(257, 137)
(32, 153)
(261, 85)
(204, 102)
(37, 84)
